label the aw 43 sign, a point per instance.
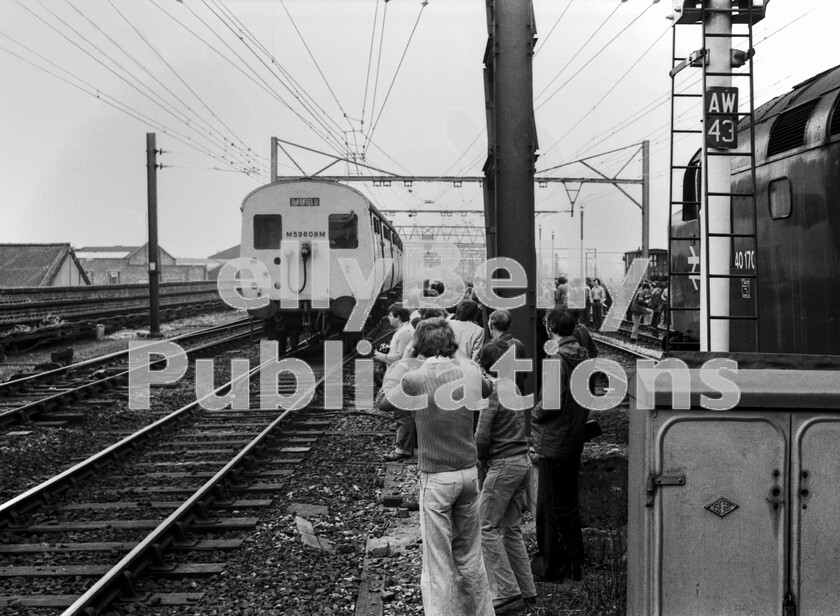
(722, 118)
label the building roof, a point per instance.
(226, 255)
(114, 252)
(106, 252)
(33, 265)
(193, 261)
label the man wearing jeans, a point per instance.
(403, 335)
(503, 449)
(453, 581)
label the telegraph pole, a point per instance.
(153, 253)
(646, 198)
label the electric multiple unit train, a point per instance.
(319, 241)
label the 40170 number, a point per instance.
(745, 259)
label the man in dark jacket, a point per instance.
(558, 437)
(582, 335)
(503, 450)
(656, 306)
(499, 323)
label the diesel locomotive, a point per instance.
(795, 256)
(318, 242)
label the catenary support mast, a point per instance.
(718, 42)
(512, 143)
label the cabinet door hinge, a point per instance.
(654, 481)
(789, 606)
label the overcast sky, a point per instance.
(72, 168)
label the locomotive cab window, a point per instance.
(268, 231)
(691, 189)
(780, 200)
(343, 230)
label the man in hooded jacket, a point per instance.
(558, 437)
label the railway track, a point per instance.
(30, 305)
(625, 345)
(61, 395)
(150, 516)
(54, 328)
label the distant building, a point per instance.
(130, 265)
(220, 258)
(40, 265)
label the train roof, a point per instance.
(372, 207)
(795, 121)
(810, 89)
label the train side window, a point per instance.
(387, 233)
(691, 190)
(780, 199)
(343, 230)
(268, 231)
(834, 127)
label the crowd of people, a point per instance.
(475, 466)
(648, 306)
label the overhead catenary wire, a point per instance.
(661, 100)
(578, 52)
(396, 73)
(554, 27)
(297, 90)
(370, 59)
(153, 97)
(243, 155)
(615, 84)
(598, 53)
(378, 67)
(318, 118)
(252, 76)
(294, 86)
(178, 76)
(348, 147)
(97, 93)
(312, 57)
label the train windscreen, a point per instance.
(343, 230)
(268, 231)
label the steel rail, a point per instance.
(111, 357)
(10, 510)
(82, 301)
(625, 346)
(19, 413)
(89, 309)
(133, 563)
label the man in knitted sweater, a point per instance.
(444, 392)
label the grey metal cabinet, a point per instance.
(737, 512)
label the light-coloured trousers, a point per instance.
(453, 581)
(500, 505)
(638, 319)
